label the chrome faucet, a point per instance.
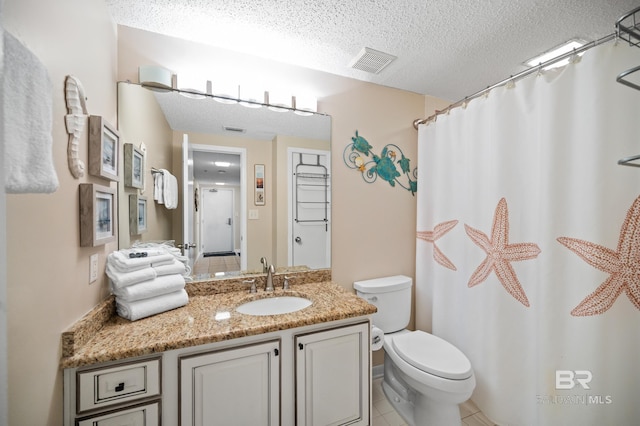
(269, 283)
(265, 264)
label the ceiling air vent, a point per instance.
(371, 60)
(234, 129)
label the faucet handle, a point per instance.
(253, 288)
(285, 285)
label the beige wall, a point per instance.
(48, 272)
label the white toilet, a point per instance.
(425, 377)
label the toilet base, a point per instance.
(417, 409)
(402, 406)
(430, 413)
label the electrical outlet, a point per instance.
(93, 268)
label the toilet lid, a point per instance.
(432, 355)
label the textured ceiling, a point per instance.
(445, 48)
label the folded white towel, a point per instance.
(144, 308)
(152, 288)
(158, 187)
(175, 267)
(121, 279)
(150, 251)
(170, 190)
(27, 119)
(123, 263)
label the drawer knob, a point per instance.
(120, 387)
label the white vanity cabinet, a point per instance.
(118, 393)
(235, 386)
(313, 375)
(332, 376)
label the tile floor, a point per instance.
(205, 267)
(384, 414)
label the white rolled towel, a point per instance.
(156, 287)
(121, 279)
(123, 263)
(144, 308)
(175, 267)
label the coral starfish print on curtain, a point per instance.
(500, 254)
(623, 265)
(432, 236)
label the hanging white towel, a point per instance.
(152, 288)
(144, 308)
(26, 123)
(170, 190)
(158, 187)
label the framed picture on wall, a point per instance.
(137, 214)
(97, 214)
(133, 166)
(259, 185)
(104, 149)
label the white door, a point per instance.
(217, 221)
(333, 377)
(189, 248)
(231, 387)
(310, 213)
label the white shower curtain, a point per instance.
(528, 243)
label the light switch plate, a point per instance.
(253, 214)
(93, 268)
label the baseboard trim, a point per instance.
(377, 371)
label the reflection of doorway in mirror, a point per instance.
(310, 208)
(222, 168)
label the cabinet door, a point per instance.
(333, 377)
(238, 386)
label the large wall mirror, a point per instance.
(251, 182)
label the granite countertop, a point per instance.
(209, 317)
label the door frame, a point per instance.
(242, 152)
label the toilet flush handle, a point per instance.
(372, 299)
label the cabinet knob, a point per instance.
(120, 387)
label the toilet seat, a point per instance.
(432, 355)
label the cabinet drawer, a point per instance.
(142, 415)
(116, 384)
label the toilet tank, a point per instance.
(392, 297)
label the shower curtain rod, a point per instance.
(515, 77)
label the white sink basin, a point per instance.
(274, 305)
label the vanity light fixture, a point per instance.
(305, 104)
(222, 163)
(279, 101)
(226, 93)
(564, 48)
(155, 78)
(191, 86)
(251, 97)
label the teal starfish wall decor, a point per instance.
(386, 165)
